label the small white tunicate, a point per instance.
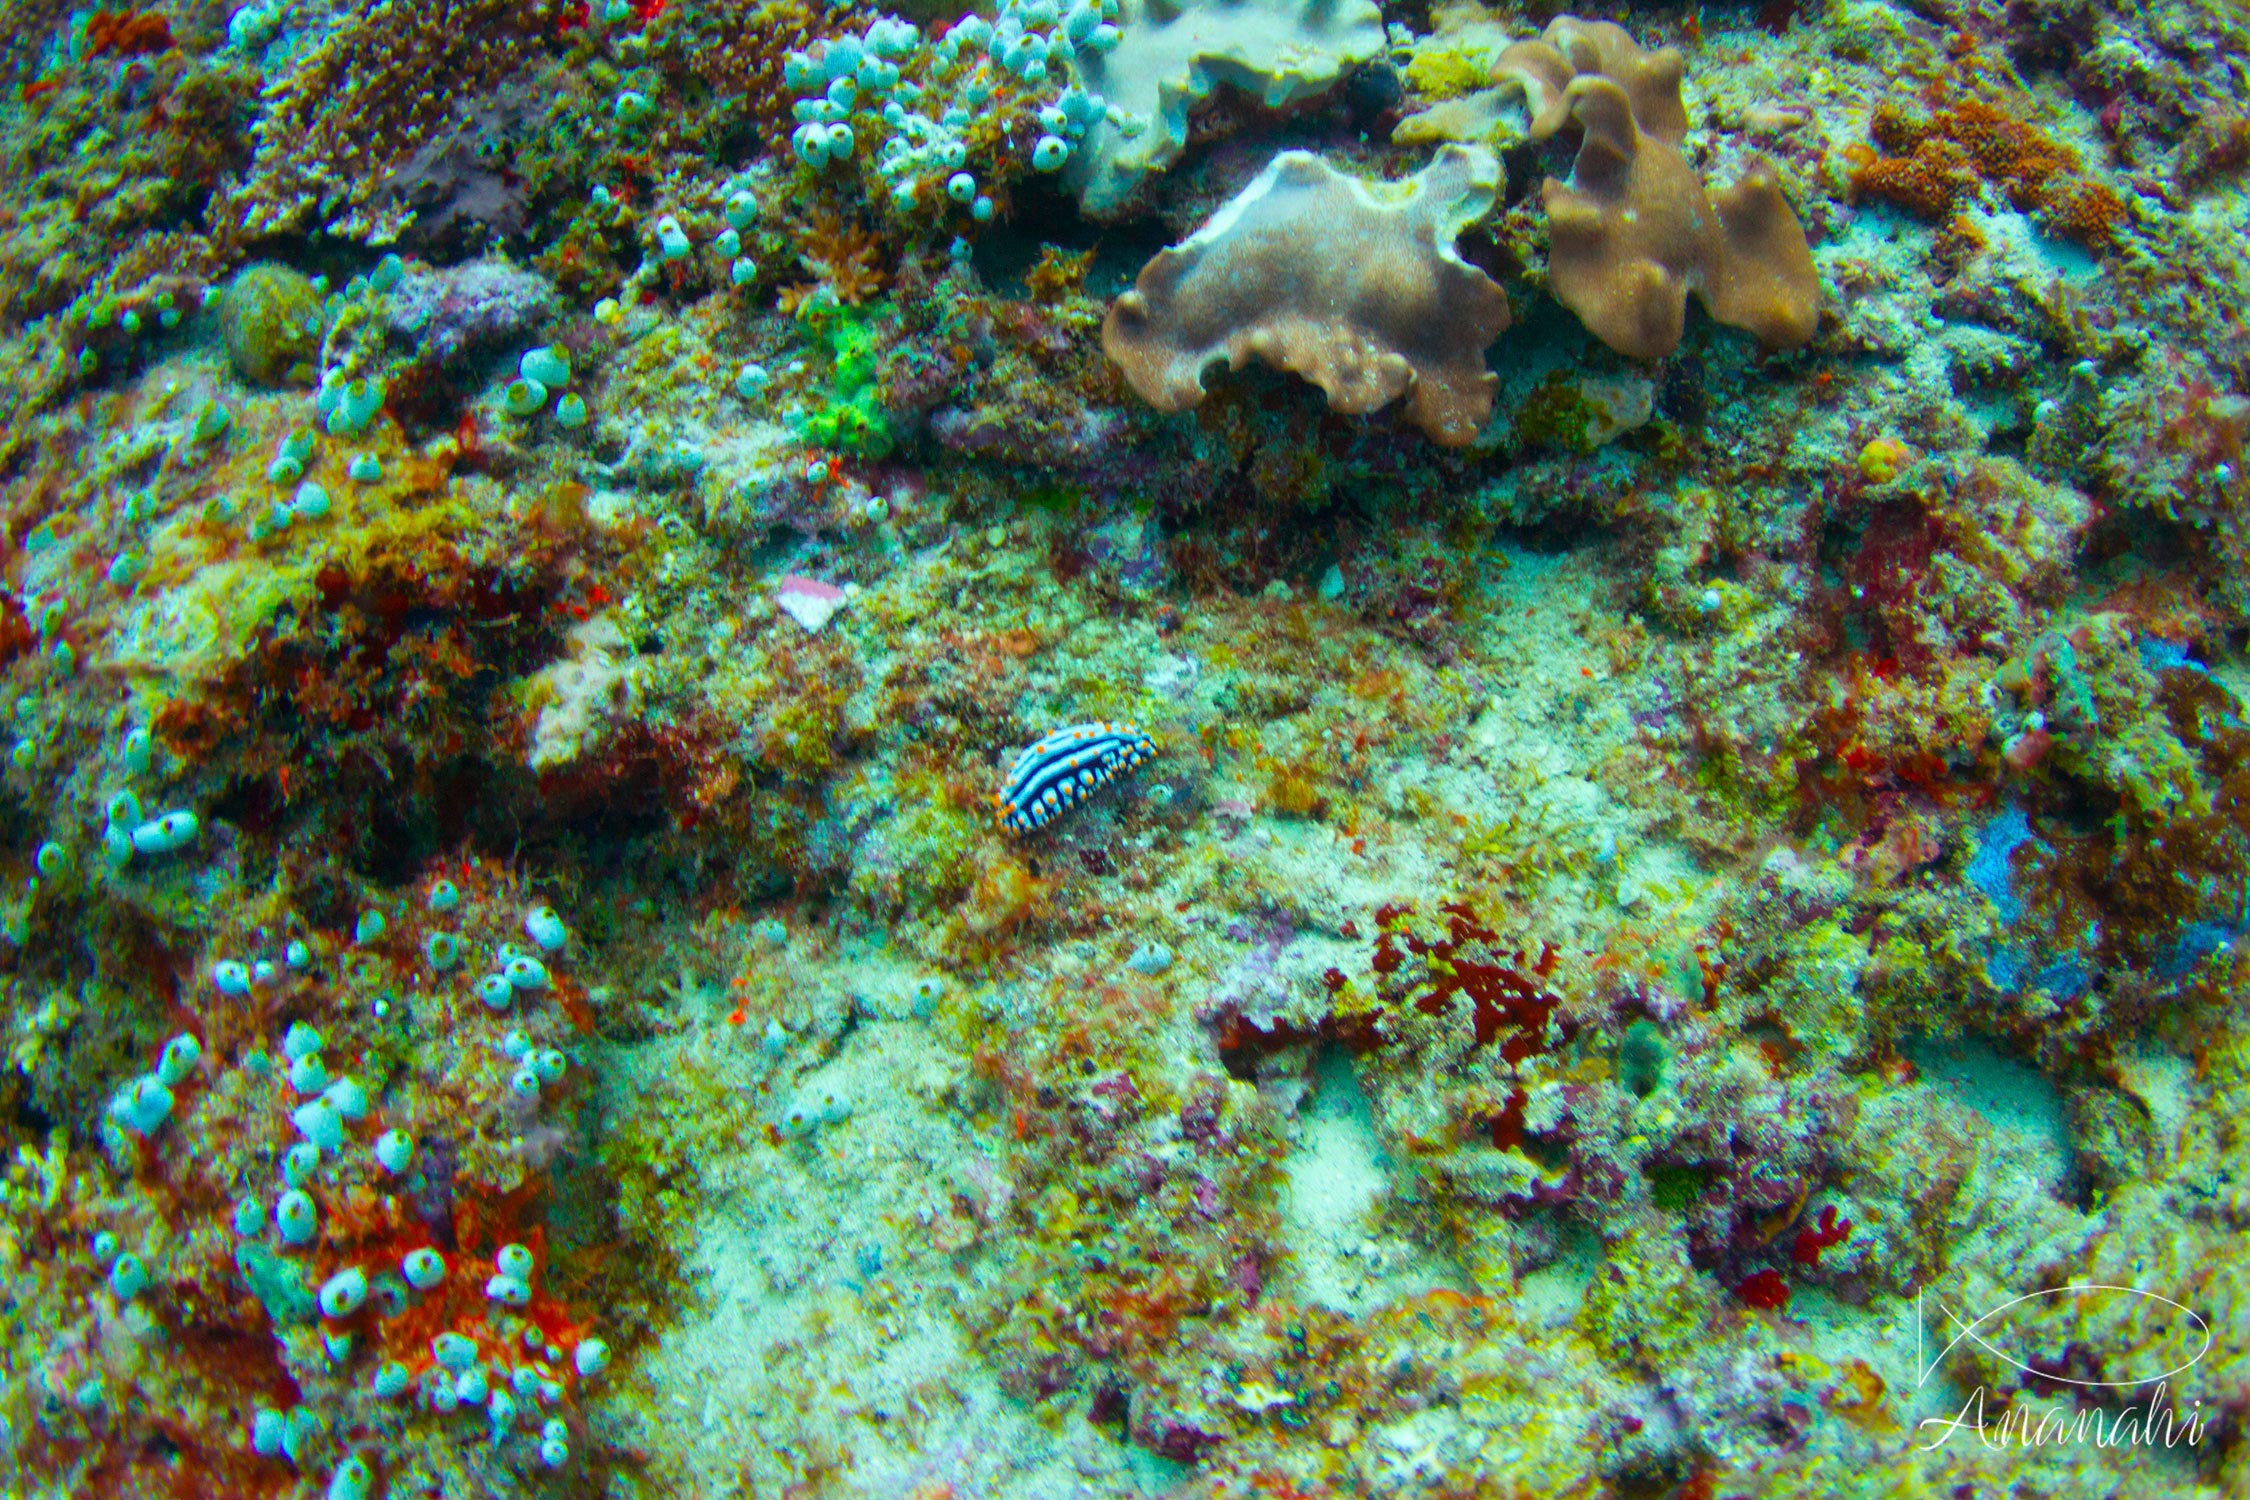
(545, 928)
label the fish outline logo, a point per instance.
(1924, 1366)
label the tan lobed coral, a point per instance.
(1535, 74)
(1570, 49)
(1356, 287)
(1633, 231)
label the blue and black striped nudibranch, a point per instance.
(1064, 768)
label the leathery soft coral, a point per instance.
(1633, 232)
(1357, 289)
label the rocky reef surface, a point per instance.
(1226, 748)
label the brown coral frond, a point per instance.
(1570, 49)
(1632, 233)
(1764, 280)
(844, 256)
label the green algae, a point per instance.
(849, 415)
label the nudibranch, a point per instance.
(1064, 768)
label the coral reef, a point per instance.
(367, 96)
(681, 816)
(270, 320)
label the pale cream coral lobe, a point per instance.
(1356, 287)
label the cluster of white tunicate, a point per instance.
(843, 69)
(126, 833)
(1028, 45)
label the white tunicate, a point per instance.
(308, 1075)
(128, 1278)
(394, 1151)
(353, 1480)
(320, 1123)
(143, 1105)
(1150, 958)
(342, 1294)
(545, 928)
(423, 1269)
(295, 1219)
(175, 830)
(178, 1059)
(249, 1218)
(347, 1098)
